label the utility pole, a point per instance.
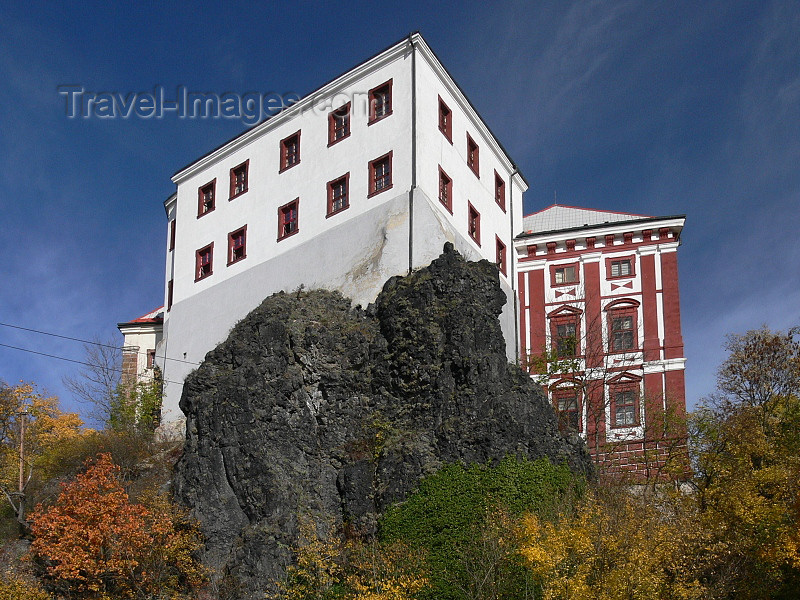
(23, 413)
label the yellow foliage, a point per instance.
(16, 588)
(616, 548)
(46, 428)
(353, 570)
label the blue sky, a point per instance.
(658, 108)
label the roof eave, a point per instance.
(607, 225)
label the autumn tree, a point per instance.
(32, 428)
(746, 446)
(615, 545)
(94, 543)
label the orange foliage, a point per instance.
(94, 541)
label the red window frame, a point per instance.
(619, 259)
(501, 259)
(473, 156)
(569, 411)
(445, 120)
(500, 191)
(204, 262)
(239, 179)
(341, 185)
(237, 245)
(206, 198)
(172, 232)
(290, 151)
(380, 102)
(474, 224)
(170, 286)
(554, 269)
(289, 219)
(151, 358)
(380, 174)
(339, 124)
(445, 190)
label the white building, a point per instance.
(142, 336)
(361, 180)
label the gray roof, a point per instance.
(558, 217)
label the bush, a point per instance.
(461, 517)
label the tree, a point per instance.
(93, 542)
(746, 448)
(32, 427)
(121, 403)
(762, 365)
(616, 545)
(97, 383)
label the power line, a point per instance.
(72, 360)
(94, 343)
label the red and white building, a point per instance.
(600, 327)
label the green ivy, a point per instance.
(449, 509)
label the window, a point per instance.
(565, 275)
(621, 268)
(339, 124)
(446, 190)
(172, 234)
(380, 102)
(445, 120)
(290, 151)
(239, 179)
(338, 194)
(499, 191)
(151, 358)
(169, 294)
(500, 255)
(622, 337)
(566, 341)
(380, 174)
(204, 261)
(237, 245)
(288, 219)
(472, 156)
(567, 409)
(205, 198)
(565, 331)
(624, 408)
(474, 224)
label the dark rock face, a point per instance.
(312, 408)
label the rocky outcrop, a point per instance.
(315, 409)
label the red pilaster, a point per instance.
(676, 393)
(538, 321)
(594, 318)
(523, 323)
(653, 402)
(673, 340)
(649, 308)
